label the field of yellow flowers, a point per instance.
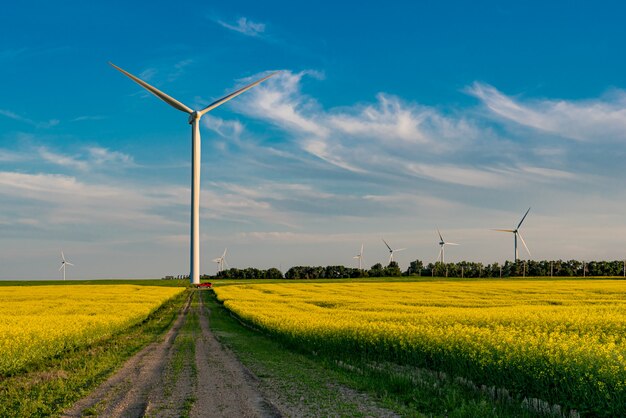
(38, 322)
(560, 341)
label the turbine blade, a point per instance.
(440, 251)
(400, 249)
(62, 256)
(452, 243)
(233, 95)
(61, 268)
(158, 93)
(361, 253)
(224, 261)
(68, 263)
(525, 246)
(440, 237)
(224, 255)
(357, 256)
(504, 230)
(387, 245)
(217, 260)
(520, 222)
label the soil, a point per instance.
(211, 383)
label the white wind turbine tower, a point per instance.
(360, 257)
(443, 244)
(221, 261)
(516, 234)
(194, 121)
(64, 263)
(392, 251)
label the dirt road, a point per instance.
(187, 373)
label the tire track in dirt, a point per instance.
(125, 393)
(168, 378)
(226, 388)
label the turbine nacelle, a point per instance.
(391, 251)
(194, 116)
(516, 234)
(442, 244)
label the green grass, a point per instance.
(184, 359)
(311, 379)
(51, 385)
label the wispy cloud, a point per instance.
(8, 156)
(61, 159)
(71, 201)
(102, 156)
(179, 69)
(584, 120)
(244, 26)
(12, 115)
(148, 74)
(88, 118)
(392, 137)
(106, 203)
(223, 127)
(91, 158)
(465, 176)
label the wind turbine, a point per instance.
(516, 234)
(360, 257)
(64, 263)
(221, 261)
(194, 121)
(443, 244)
(392, 251)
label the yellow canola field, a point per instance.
(562, 341)
(41, 321)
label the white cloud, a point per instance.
(68, 200)
(61, 159)
(88, 118)
(179, 69)
(103, 156)
(466, 176)
(91, 158)
(392, 137)
(597, 120)
(281, 101)
(324, 151)
(223, 127)
(8, 156)
(148, 74)
(297, 237)
(245, 27)
(12, 115)
(549, 173)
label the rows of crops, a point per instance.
(39, 322)
(559, 341)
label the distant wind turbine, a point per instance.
(392, 251)
(194, 121)
(516, 234)
(360, 257)
(221, 261)
(64, 263)
(443, 244)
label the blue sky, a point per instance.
(385, 122)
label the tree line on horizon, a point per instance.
(462, 269)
